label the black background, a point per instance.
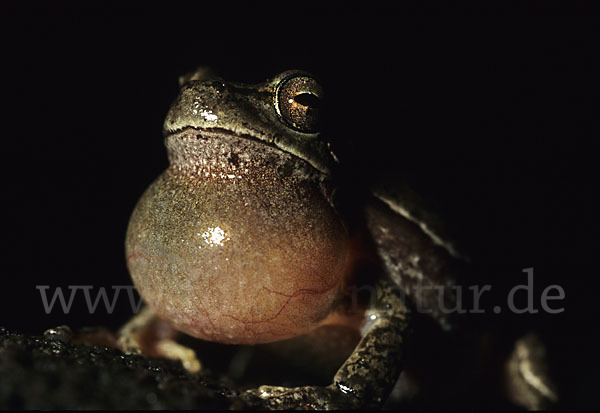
(491, 113)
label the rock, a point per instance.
(43, 372)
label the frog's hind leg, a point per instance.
(367, 376)
(146, 334)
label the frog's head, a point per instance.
(282, 112)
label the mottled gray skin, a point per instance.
(239, 119)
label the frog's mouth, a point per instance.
(218, 132)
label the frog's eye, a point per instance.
(297, 101)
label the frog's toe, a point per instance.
(129, 344)
(172, 350)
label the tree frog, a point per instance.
(251, 236)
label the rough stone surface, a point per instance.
(46, 373)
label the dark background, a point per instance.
(493, 119)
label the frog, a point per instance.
(252, 236)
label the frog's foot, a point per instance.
(305, 397)
(369, 374)
(148, 335)
(173, 350)
(528, 382)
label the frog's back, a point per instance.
(403, 200)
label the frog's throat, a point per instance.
(208, 154)
(218, 132)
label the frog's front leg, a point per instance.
(146, 334)
(367, 376)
